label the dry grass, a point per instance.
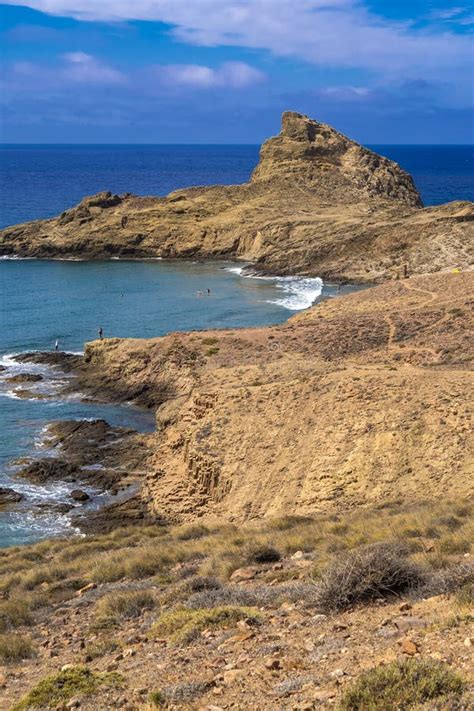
(14, 648)
(437, 536)
(183, 625)
(124, 605)
(14, 613)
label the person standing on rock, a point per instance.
(101, 333)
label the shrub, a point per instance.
(182, 693)
(448, 580)
(14, 648)
(262, 553)
(59, 688)
(184, 625)
(100, 649)
(14, 613)
(401, 685)
(190, 533)
(373, 571)
(125, 605)
(202, 582)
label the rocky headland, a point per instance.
(316, 204)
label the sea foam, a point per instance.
(299, 292)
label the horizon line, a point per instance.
(12, 143)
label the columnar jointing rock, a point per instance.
(317, 204)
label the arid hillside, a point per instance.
(360, 399)
(317, 203)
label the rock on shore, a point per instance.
(316, 204)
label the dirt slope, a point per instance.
(317, 203)
(355, 401)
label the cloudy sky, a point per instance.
(221, 71)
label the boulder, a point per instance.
(49, 469)
(79, 495)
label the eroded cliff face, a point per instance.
(359, 400)
(317, 204)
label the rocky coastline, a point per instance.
(317, 204)
(102, 464)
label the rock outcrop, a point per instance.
(317, 204)
(358, 401)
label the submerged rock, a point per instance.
(9, 496)
(25, 378)
(49, 469)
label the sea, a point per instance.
(42, 302)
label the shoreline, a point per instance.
(70, 370)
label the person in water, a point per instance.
(101, 333)
(56, 345)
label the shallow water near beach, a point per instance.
(67, 301)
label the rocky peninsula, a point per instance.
(317, 204)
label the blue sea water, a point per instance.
(41, 301)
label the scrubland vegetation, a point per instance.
(183, 582)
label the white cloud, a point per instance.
(338, 33)
(234, 75)
(76, 67)
(81, 67)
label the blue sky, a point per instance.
(222, 71)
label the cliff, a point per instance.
(355, 402)
(317, 204)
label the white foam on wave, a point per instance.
(300, 292)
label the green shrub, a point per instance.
(401, 685)
(59, 688)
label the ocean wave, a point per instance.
(300, 292)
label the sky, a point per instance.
(222, 71)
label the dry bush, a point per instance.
(192, 532)
(183, 625)
(261, 553)
(182, 693)
(447, 580)
(124, 605)
(261, 596)
(367, 573)
(402, 685)
(15, 648)
(14, 613)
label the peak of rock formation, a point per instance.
(317, 204)
(316, 155)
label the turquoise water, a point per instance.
(45, 301)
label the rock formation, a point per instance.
(317, 204)
(359, 400)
